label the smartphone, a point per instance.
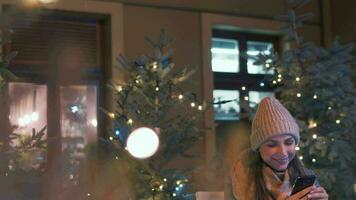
(302, 183)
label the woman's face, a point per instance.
(278, 151)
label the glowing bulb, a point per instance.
(246, 98)
(155, 65)
(262, 84)
(200, 107)
(315, 96)
(180, 96)
(178, 182)
(165, 180)
(117, 132)
(74, 109)
(137, 81)
(300, 157)
(94, 122)
(192, 104)
(88, 194)
(116, 157)
(329, 108)
(34, 116)
(130, 121)
(142, 143)
(279, 80)
(268, 65)
(279, 75)
(181, 185)
(297, 79)
(112, 115)
(274, 82)
(157, 89)
(174, 194)
(243, 88)
(315, 136)
(299, 95)
(111, 138)
(338, 121)
(161, 187)
(313, 160)
(297, 148)
(119, 88)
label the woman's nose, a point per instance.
(282, 150)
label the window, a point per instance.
(61, 68)
(237, 79)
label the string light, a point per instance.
(161, 187)
(246, 98)
(88, 194)
(315, 96)
(315, 136)
(180, 96)
(329, 108)
(262, 84)
(338, 121)
(165, 180)
(192, 104)
(279, 75)
(312, 124)
(200, 107)
(274, 82)
(299, 95)
(137, 81)
(297, 79)
(268, 65)
(300, 157)
(178, 182)
(117, 158)
(174, 194)
(297, 148)
(157, 89)
(117, 132)
(130, 121)
(112, 115)
(279, 79)
(314, 160)
(243, 88)
(119, 88)
(155, 65)
(111, 138)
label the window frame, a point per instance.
(235, 81)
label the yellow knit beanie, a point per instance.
(272, 119)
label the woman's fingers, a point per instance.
(303, 193)
(318, 193)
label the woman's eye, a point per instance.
(289, 142)
(271, 145)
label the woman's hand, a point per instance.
(318, 193)
(301, 195)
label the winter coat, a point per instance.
(240, 186)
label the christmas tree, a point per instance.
(315, 84)
(151, 96)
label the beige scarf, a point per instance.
(244, 187)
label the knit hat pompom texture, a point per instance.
(272, 119)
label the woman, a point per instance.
(268, 170)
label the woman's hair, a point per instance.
(254, 162)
